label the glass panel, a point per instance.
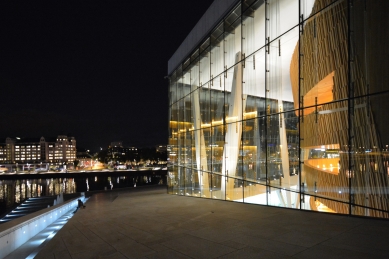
(181, 180)
(216, 181)
(282, 198)
(172, 180)
(180, 87)
(254, 78)
(249, 151)
(261, 145)
(232, 43)
(181, 131)
(196, 164)
(189, 183)
(249, 44)
(249, 4)
(205, 45)
(205, 67)
(306, 8)
(282, 15)
(228, 81)
(368, 19)
(324, 62)
(259, 28)
(194, 79)
(314, 203)
(369, 165)
(193, 150)
(231, 20)
(217, 63)
(255, 193)
(284, 161)
(279, 60)
(185, 82)
(173, 133)
(305, 201)
(173, 92)
(186, 64)
(216, 34)
(217, 131)
(274, 148)
(234, 189)
(203, 137)
(292, 135)
(194, 56)
(253, 30)
(325, 159)
(232, 153)
(326, 168)
(186, 149)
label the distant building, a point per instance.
(3, 152)
(129, 151)
(117, 151)
(33, 150)
(161, 149)
(85, 159)
(116, 144)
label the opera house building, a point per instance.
(284, 103)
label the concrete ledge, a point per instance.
(15, 233)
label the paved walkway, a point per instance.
(148, 223)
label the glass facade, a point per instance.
(284, 104)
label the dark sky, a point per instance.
(91, 69)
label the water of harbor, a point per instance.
(14, 190)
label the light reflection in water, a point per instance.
(14, 192)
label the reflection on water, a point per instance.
(14, 192)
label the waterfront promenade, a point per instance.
(148, 223)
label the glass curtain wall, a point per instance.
(281, 105)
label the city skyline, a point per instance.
(93, 71)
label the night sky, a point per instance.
(91, 69)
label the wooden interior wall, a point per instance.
(324, 45)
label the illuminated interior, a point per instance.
(265, 110)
